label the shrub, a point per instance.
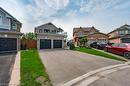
(72, 47)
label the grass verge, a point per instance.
(98, 53)
(32, 68)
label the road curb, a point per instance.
(91, 73)
(15, 75)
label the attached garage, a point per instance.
(125, 40)
(8, 44)
(57, 43)
(45, 44)
(49, 41)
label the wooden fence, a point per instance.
(28, 44)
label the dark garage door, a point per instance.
(8, 44)
(45, 43)
(125, 40)
(57, 43)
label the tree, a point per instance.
(83, 41)
(30, 36)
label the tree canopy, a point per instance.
(30, 36)
(83, 41)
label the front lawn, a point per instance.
(98, 53)
(32, 70)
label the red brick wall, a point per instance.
(117, 40)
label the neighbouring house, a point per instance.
(9, 32)
(120, 35)
(97, 37)
(92, 34)
(49, 36)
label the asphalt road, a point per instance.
(65, 65)
(6, 62)
(119, 78)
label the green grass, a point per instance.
(98, 53)
(32, 68)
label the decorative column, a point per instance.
(18, 44)
(38, 44)
(63, 43)
(51, 43)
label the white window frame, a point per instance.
(80, 33)
(121, 32)
(14, 27)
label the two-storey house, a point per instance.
(120, 35)
(9, 32)
(49, 36)
(91, 33)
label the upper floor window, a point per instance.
(46, 30)
(40, 30)
(80, 33)
(53, 31)
(14, 26)
(122, 32)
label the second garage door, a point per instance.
(45, 43)
(57, 43)
(125, 40)
(8, 44)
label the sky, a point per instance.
(104, 15)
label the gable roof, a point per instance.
(49, 24)
(125, 26)
(83, 28)
(1, 9)
(98, 33)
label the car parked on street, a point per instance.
(98, 45)
(119, 48)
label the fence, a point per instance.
(28, 44)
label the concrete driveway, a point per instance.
(6, 63)
(65, 65)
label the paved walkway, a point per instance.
(6, 63)
(65, 65)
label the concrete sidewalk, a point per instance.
(65, 65)
(15, 74)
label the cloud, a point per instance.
(99, 5)
(57, 4)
